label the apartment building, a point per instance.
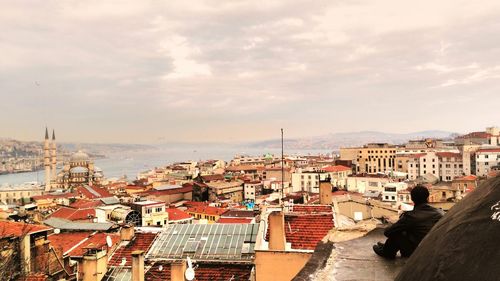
(371, 158)
(450, 165)
(307, 180)
(422, 164)
(152, 212)
(486, 159)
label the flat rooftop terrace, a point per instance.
(353, 260)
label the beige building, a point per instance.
(18, 195)
(371, 158)
(450, 165)
(232, 191)
(153, 213)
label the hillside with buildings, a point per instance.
(335, 141)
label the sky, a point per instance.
(232, 71)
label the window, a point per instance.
(148, 211)
(159, 209)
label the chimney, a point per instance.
(325, 192)
(177, 270)
(277, 240)
(127, 233)
(138, 265)
(94, 265)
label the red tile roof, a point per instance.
(204, 272)
(154, 192)
(489, 150)
(448, 155)
(67, 240)
(312, 209)
(417, 155)
(209, 178)
(467, 178)
(336, 168)
(239, 213)
(208, 210)
(83, 204)
(175, 214)
(92, 192)
(74, 214)
(36, 277)
(53, 196)
(16, 229)
(235, 220)
(142, 241)
(97, 240)
(476, 135)
(304, 231)
(244, 168)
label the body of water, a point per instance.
(130, 163)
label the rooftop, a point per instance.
(175, 214)
(204, 209)
(206, 242)
(79, 226)
(74, 214)
(336, 168)
(148, 203)
(16, 229)
(142, 241)
(235, 220)
(354, 260)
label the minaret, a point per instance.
(46, 159)
(53, 156)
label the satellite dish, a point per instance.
(109, 242)
(189, 274)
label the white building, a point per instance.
(251, 190)
(390, 193)
(371, 182)
(307, 181)
(486, 158)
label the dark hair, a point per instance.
(419, 194)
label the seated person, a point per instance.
(411, 228)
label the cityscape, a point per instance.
(249, 140)
(175, 211)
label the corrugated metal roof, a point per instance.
(70, 225)
(118, 273)
(206, 242)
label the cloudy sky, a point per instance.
(139, 71)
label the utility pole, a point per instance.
(282, 169)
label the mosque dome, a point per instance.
(76, 170)
(79, 156)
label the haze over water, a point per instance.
(130, 163)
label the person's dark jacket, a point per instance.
(417, 223)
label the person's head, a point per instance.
(419, 194)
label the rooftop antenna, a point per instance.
(189, 274)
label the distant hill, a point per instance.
(336, 140)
